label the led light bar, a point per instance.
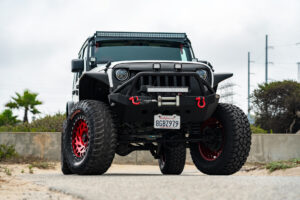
(168, 89)
(140, 34)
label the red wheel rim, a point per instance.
(80, 138)
(207, 153)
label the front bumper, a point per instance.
(133, 104)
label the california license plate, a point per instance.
(166, 121)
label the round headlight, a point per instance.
(122, 74)
(203, 74)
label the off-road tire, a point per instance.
(172, 159)
(102, 138)
(63, 162)
(236, 147)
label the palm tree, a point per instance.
(27, 101)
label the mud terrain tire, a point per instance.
(172, 159)
(64, 166)
(236, 143)
(90, 138)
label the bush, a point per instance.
(278, 165)
(257, 129)
(275, 105)
(46, 124)
(7, 152)
(7, 118)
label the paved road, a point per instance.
(146, 182)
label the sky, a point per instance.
(38, 39)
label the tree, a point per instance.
(7, 118)
(28, 101)
(276, 104)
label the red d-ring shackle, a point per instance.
(135, 100)
(199, 102)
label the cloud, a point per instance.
(39, 38)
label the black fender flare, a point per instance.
(219, 77)
(88, 82)
(69, 107)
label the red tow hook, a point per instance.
(199, 101)
(135, 100)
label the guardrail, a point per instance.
(264, 148)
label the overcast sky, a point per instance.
(38, 39)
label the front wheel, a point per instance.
(225, 142)
(89, 141)
(63, 162)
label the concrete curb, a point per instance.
(264, 148)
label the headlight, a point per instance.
(122, 74)
(203, 74)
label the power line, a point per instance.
(287, 45)
(276, 63)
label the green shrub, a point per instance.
(46, 124)
(257, 129)
(17, 128)
(7, 151)
(30, 167)
(273, 166)
(278, 165)
(7, 171)
(7, 118)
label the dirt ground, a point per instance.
(13, 186)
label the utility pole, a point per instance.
(249, 73)
(267, 62)
(267, 59)
(298, 71)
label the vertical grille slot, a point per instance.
(167, 80)
(183, 81)
(175, 80)
(150, 80)
(188, 80)
(158, 80)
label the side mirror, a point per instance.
(77, 65)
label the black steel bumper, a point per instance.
(133, 106)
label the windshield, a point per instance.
(141, 50)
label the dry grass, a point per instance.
(42, 165)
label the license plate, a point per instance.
(166, 121)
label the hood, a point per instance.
(146, 64)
